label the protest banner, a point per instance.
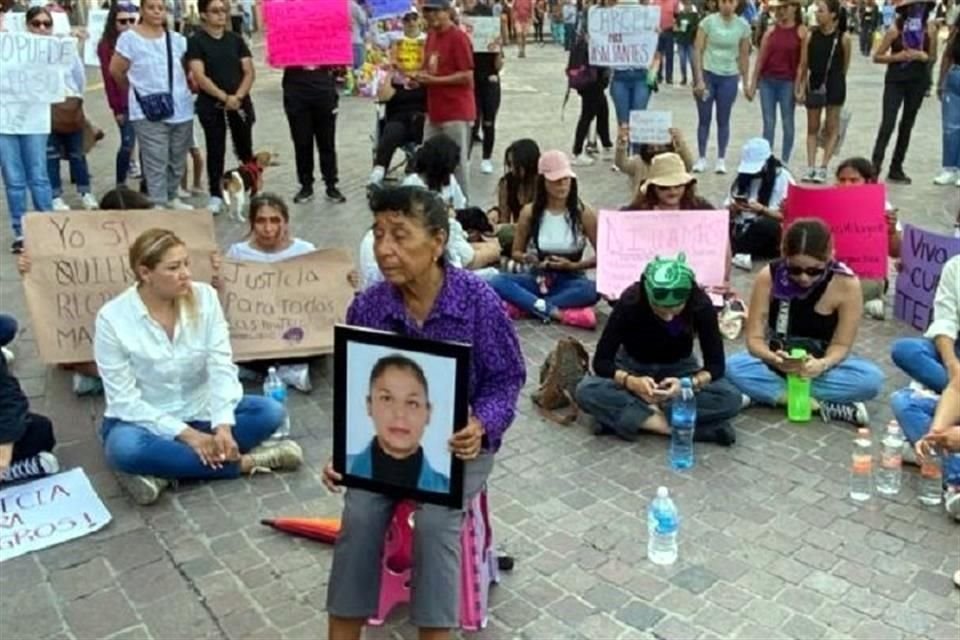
(922, 256)
(96, 22)
(48, 511)
(80, 261)
(32, 70)
(623, 36)
(286, 309)
(857, 218)
(16, 21)
(388, 8)
(628, 240)
(650, 127)
(484, 33)
(307, 33)
(409, 54)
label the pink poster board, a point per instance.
(628, 240)
(308, 33)
(857, 217)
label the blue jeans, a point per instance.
(23, 161)
(950, 110)
(919, 359)
(852, 380)
(685, 51)
(723, 91)
(8, 329)
(630, 92)
(774, 93)
(73, 144)
(665, 49)
(127, 139)
(567, 291)
(133, 449)
(914, 411)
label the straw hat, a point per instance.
(667, 170)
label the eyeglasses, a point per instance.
(126, 21)
(813, 272)
(41, 24)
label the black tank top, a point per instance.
(913, 71)
(818, 58)
(804, 322)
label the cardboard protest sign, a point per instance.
(286, 309)
(48, 511)
(628, 240)
(922, 256)
(18, 22)
(484, 33)
(623, 36)
(409, 54)
(96, 22)
(80, 261)
(32, 70)
(650, 127)
(388, 8)
(856, 216)
(307, 33)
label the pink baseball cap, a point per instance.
(554, 165)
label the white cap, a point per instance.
(755, 154)
(662, 492)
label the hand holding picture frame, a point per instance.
(397, 402)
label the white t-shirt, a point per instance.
(244, 251)
(148, 72)
(777, 196)
(452, 194)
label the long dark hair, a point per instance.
(110, 33)
(435, 160)
(768, 178)
(864, 167)
(689, 202)
(266, 199)
(573, 204)
(808, 237)
(521, 157)
(837, 9)
(33, 12)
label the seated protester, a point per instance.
(551, 237)
(396, 455)
(433, 168)
(857, 171)
(26, 439)
(668, 187)
(405, 107)
(935, 358)
(755, 201)
(637, 167)
(515, 189)
(174, 406)
(806, 300)
(269, 240)
(647, 347)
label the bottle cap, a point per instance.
(662, 492)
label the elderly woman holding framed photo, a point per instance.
(423, 297)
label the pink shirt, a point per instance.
(668, 12)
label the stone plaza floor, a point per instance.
(770, 545)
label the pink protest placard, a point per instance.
(308, 33)
(857, 218)
(628, 240)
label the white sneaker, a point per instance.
(60, 205)
(486, 166)
(284, 455)
(875, 309)
(183, 193)
(377, 175)
(700, 165)
(296, 376)
(946, 177)
(720, 167)
(215, 205)
(743, 261)
(134, 171)
(820, 175)
(143, 489)
(179, 205)
(582, 160)
(810, 175)
(89, 202)
(7, 355)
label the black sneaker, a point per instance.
(42, 464)
(17, 246)
(334, 195)
(304, 195)
(897, 176)
(853, 412)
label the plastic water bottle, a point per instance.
(663, 522)
(891, 461)
(861, 472)
(274, 387)
(931, 480)
(683, 418)
(798, 393)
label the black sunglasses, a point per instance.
(813, 272)
(41, 24)
(126, 21)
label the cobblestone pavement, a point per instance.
(770, 546)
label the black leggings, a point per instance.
(910, 95)
(397, 131)
(215, 122)
(593, 104)
(37, 437)
(487, 93)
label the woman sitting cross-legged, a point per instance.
(550, 239)
(175, 408)
(807, 300)
(647, 347)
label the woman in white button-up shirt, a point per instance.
(174, 406)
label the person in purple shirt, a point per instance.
(423, 297)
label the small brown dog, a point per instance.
(244, 182)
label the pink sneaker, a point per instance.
(584, 318)
(514, 312)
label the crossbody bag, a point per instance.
(157, 107)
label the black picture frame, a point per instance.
(355, 340)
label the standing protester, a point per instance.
(906, 48)
(593, 97)
(121, 17)
(869, 23)
(688, 20)
(721, 58)
(448, 77)
(631, 87)
(358, 25)
(665, 42)
(522, 17)
(486, 86)
(948, 90)
(822, 83)
(236, 16)
(222, 66)
(149, 59)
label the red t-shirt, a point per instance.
(668, 12)
(445, 53)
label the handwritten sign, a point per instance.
(484, 32)
(857, 218)
(650, 127)
(922, 256)
(307, 33)
(628, 240)
(80, 261)
(623, 36)
(388, 8)
(48, 511)
(32, 70)
(96, 22)
(286, 309)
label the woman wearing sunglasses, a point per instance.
(806, 300)
(122, 16)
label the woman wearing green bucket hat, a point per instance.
(647, 347)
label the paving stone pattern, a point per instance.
(770, 545)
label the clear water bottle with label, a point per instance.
(930, 491)
(683, 419)
(663, 524)
(274, 387)
(861, 471)
(891, 461)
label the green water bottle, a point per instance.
(798, 393)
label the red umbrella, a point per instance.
(322, 529)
